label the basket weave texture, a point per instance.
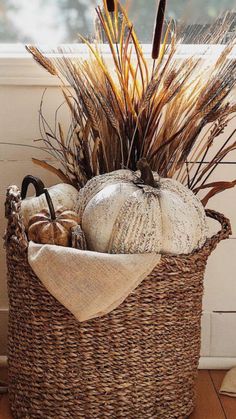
(138, 362)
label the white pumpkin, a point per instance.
(121, 215)
(64, 196)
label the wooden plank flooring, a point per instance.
(228, 404)
(210, 405)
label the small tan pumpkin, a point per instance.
(52, 227)
(62, 195)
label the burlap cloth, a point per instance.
(89, 284)
(228, 387)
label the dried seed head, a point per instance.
(158, 29)
(42, 59)
(70, 158)
(170, 78)
(110, 5)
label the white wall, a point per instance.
(22, 84)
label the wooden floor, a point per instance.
(210, 404)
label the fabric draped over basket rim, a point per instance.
(138, 361)
(89, 284)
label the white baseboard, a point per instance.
(216, 363)
(3, 361)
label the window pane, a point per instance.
(60, 21)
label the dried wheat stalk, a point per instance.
(123, 114)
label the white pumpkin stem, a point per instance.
(146, 173)
(50, 205)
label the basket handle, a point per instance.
(38, 185)
(223, 234)
(15, 232)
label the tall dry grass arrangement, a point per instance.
(172, 112)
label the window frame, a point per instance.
(17, 67)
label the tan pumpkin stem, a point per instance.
(50, 205)
(146, 173)
(38, 185)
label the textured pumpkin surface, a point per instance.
(120, 217)
(42, 229)
(63, 196)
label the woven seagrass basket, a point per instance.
(138, 362)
